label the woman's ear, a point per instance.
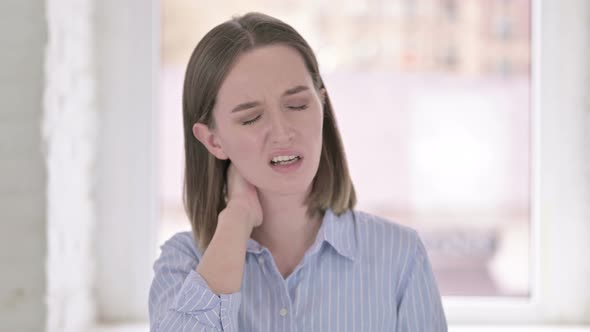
(323, 96)
(209, 139)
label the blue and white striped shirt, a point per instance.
(363, 273)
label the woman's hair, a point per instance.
(205, 175)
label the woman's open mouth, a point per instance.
(286, 164)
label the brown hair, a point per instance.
(205, 175)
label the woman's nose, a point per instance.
(281, 130)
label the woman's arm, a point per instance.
(222, 264)
(420, 308)
(205, 298)
(192, 295)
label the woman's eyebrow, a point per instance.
(295, 90)
(252, 104)
(245, 106)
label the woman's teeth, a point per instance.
(284, 160)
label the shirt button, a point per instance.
(283, 312)
(261, 260)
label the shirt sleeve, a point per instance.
(181, 300)
(420, 308)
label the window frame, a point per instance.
(548, 302)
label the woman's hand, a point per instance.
(243, 211)
(243, 196)
(222, 263)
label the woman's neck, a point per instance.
(286, 229)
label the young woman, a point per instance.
(276, 244)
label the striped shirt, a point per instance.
(363, 273)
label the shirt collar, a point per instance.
(337, 230)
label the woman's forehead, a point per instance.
(264, 71)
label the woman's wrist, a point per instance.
(237, 217)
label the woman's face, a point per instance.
(268, 106)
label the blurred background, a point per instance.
(440, 93)
(466, 120)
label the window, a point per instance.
(557, 209)
(449, 134)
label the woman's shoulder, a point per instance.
(369, 222)
(384, 233)
(182, 243)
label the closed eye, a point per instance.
(251, 121)
(302, 107)
(298, 108)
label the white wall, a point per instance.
(70, 128)
(23, 243)
(127, 49)
(47, 139)
(76, 85)
(564, 206)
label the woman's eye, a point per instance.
(301, 107)
(251, 121)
